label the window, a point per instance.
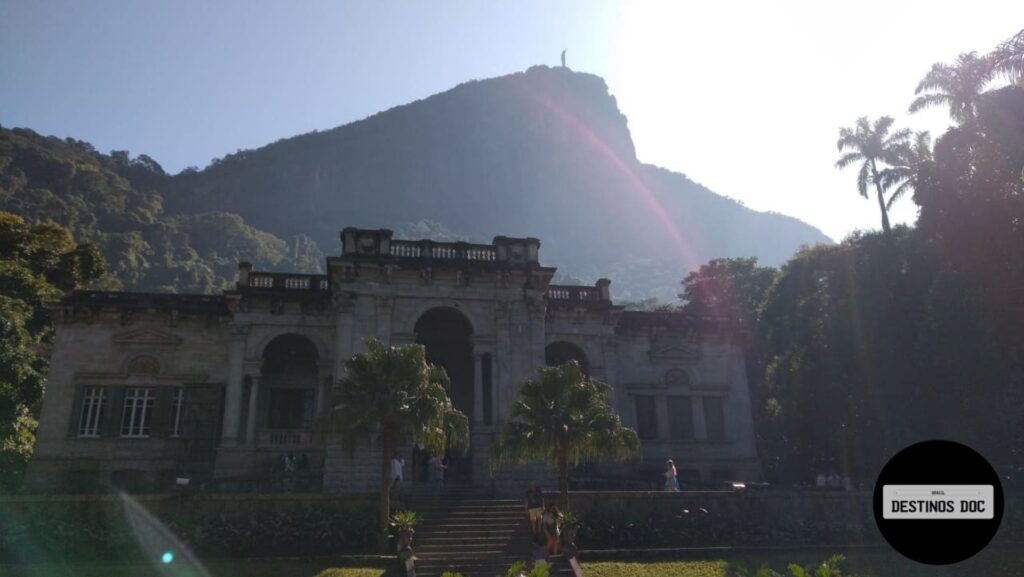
(680, 418)
(94, 403)
(291, 409)
(714, 418)
(138, 412)
(177, 406)
(646, 417)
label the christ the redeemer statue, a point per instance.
(563, 58)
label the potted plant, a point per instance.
(403, 525)
(570, 527)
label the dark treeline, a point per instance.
(908, 334)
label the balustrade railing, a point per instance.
(284, 437)
(442, 251)
(273, 280)
(573, 294)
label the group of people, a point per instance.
(434, 474)
(546, 524)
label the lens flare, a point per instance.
(170, 556)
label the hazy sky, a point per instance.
(745, 98)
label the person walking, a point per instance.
(535, 506)
(671, 481)
(552, 524)
(436, 468)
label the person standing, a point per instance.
(535, 506)
(552, 525)
(671, 481)
(397, 466)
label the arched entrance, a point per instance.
(288, 379)
(561, 352)
(448, 337)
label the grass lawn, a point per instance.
(994, 562)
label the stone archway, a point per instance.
(561, 352)
(448, 337)
(289, 379)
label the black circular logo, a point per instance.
(938, 502)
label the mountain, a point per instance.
(543, 153)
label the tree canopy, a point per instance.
(390, 395)
(563, 418)
(37, 264)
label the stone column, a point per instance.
(478, 388)
(343, 305)
(233, 394)
(250, 428)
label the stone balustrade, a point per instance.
(287, 281)
(441, 250)
(284, 437)
(573, 294)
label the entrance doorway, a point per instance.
(448, 337)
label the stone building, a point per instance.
(146, 388)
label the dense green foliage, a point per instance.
(563, 418)
(390, 395)
(117, 202)
(728, 287)
(887, 339)
(37, 263)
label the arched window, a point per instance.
(561, 352)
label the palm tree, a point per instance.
(910, 158)
(1008, 58)
(563, 417)
(874, 146)
(957, 86)
(391, 394)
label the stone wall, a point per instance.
(112, 346)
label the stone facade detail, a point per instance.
(230, 386)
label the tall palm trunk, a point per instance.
(881, 200)
(563, 476)
(387, 448)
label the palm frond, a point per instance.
(563, 408)
(1008, 58)
(848, 159)
(862, 179)
(928, 101)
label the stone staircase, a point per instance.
(468, 531)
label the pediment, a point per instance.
(148, 337)
(674, 351)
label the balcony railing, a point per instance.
(573, 294)
(442, 251)
(284, 437)
(287, 281)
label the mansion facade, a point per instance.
(148, 388)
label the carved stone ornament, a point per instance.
(676, 378)
(143, 365)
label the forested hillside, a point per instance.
(117, 202)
